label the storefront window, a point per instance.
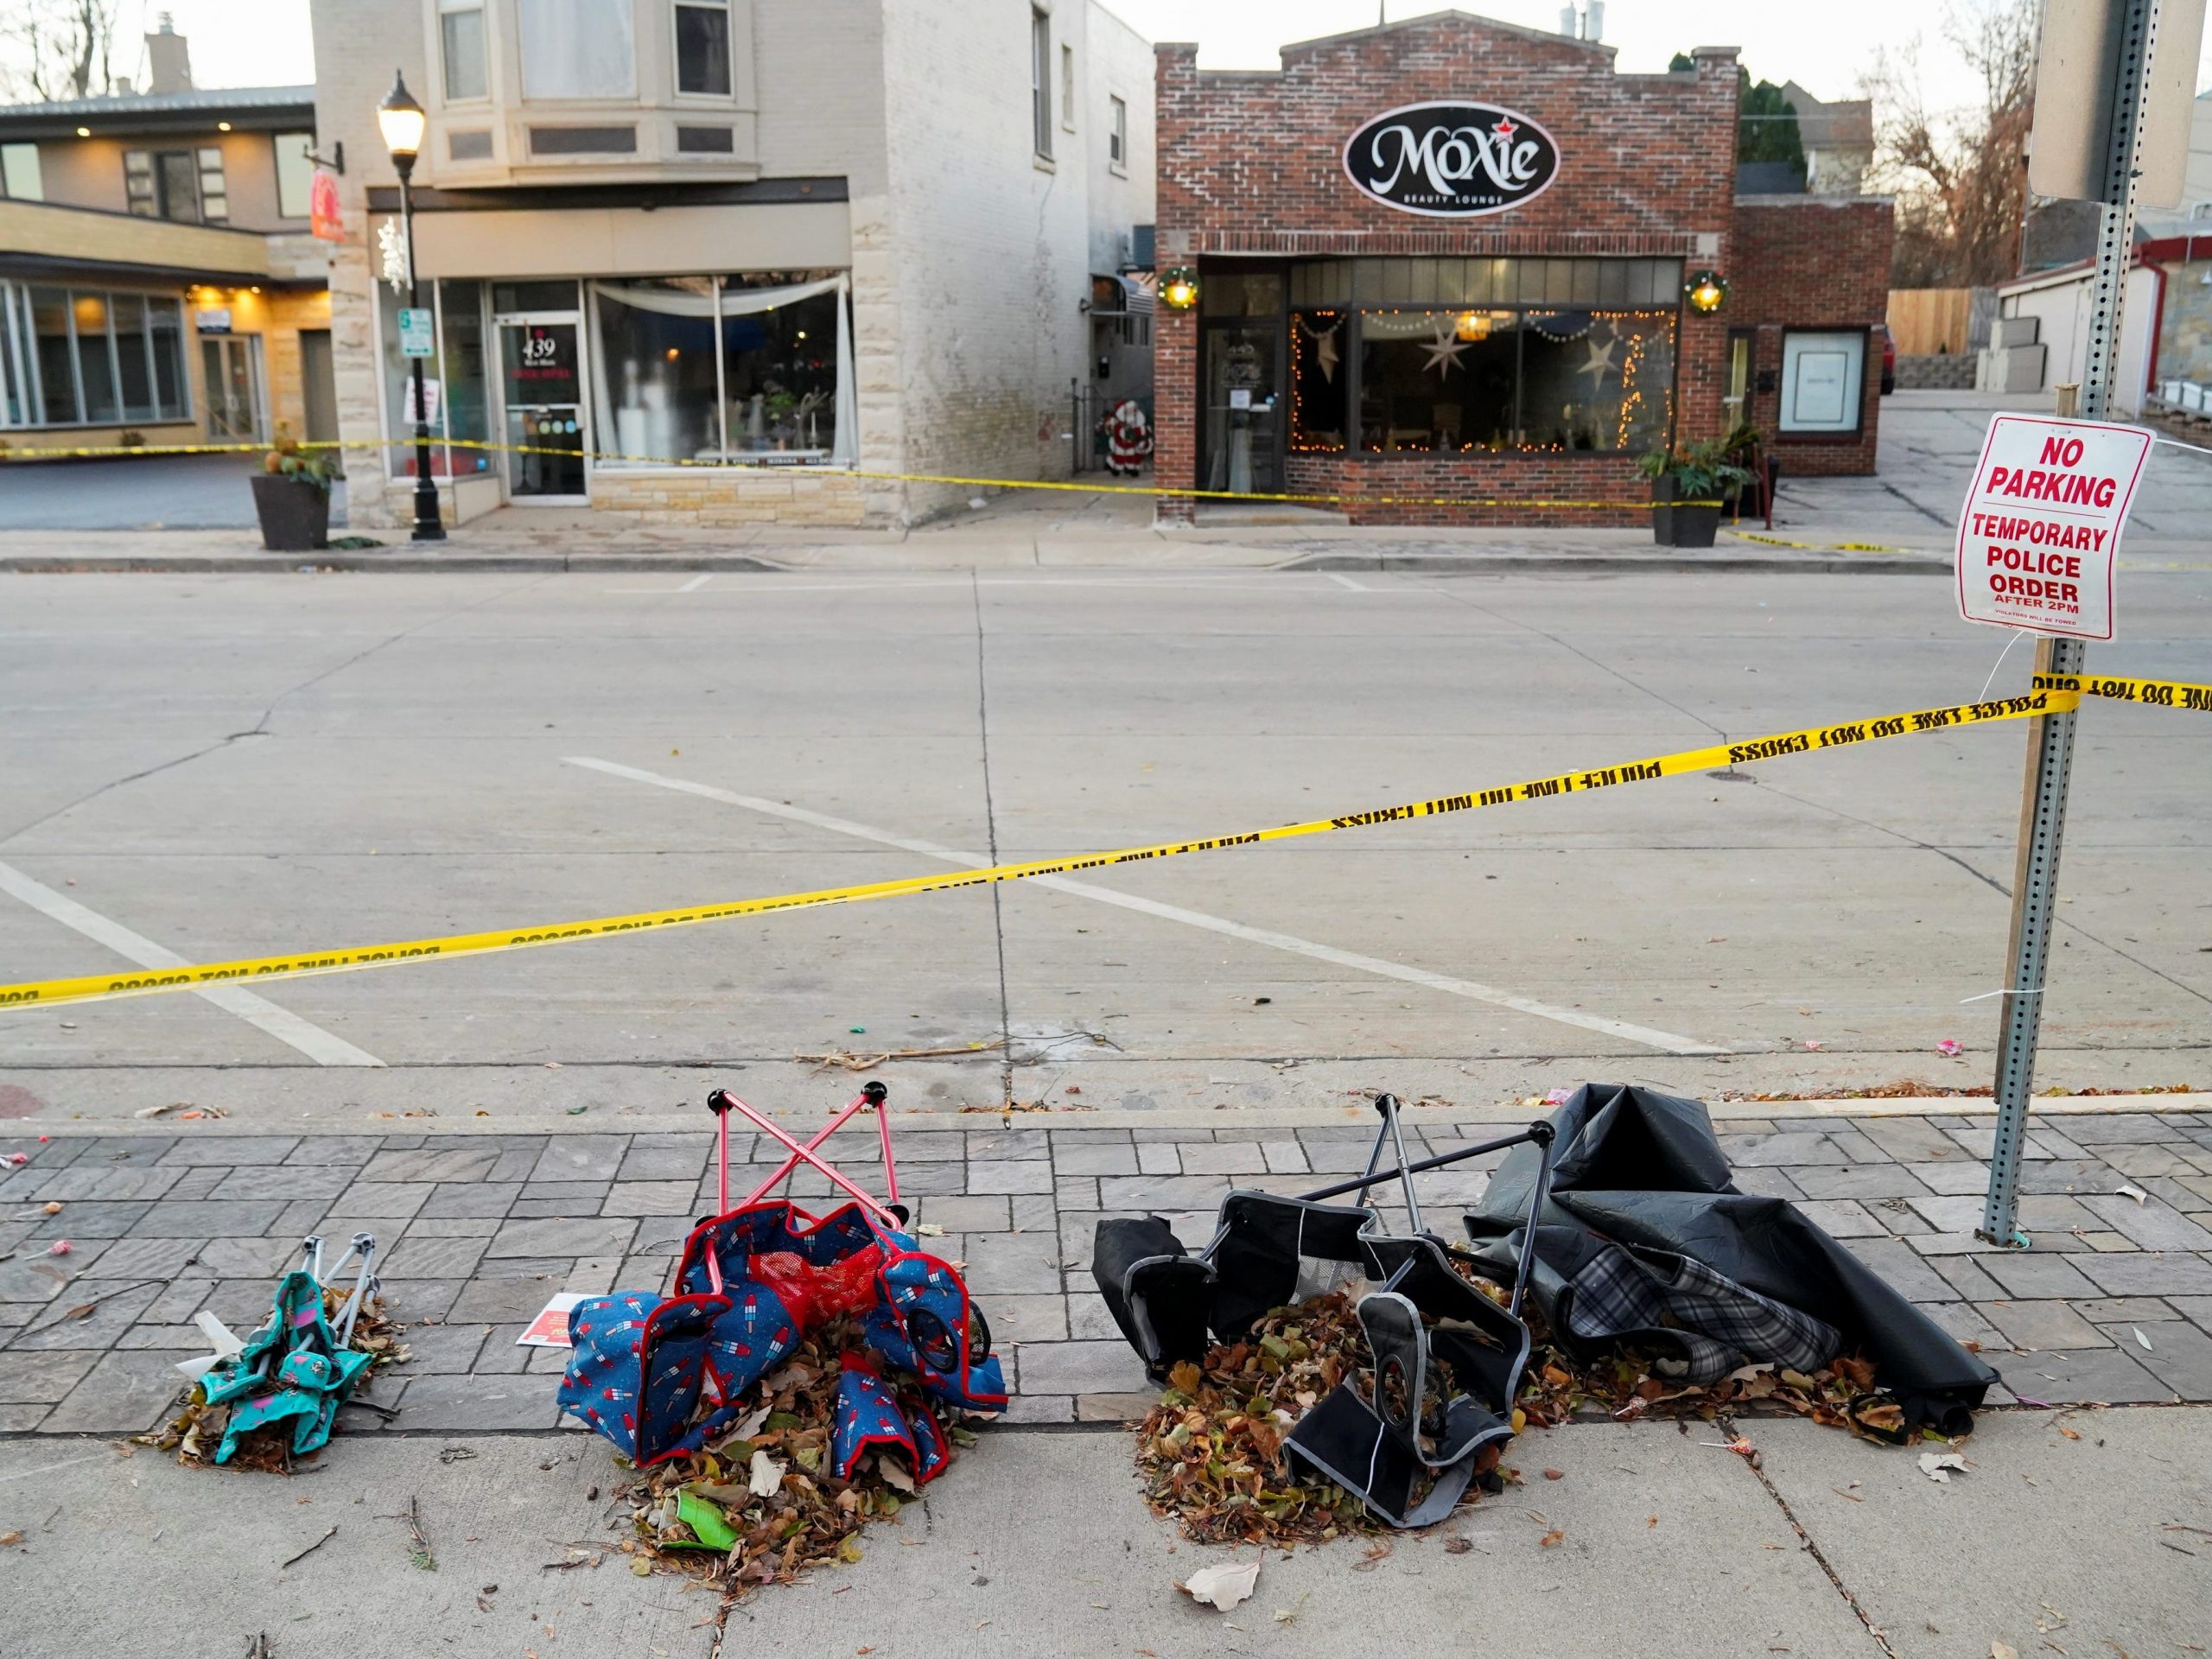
(122, 361)
(779, 369)
(1596, 380)
(1437, 380)
(1320, 376)
(165, 334)
(656, 381)
(1241, 293)
(453, 395)
(1532, 380)
(460, 357)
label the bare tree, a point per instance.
(57, 49)
(1960, 175)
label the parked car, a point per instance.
(1888, 359)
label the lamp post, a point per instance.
(401, 121)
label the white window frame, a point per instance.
(729, 57)
(19, 163)
(1067, 85)
(276, 142)
(1852, 348)
(1040, 81)
(483, 10)
(1117, 133)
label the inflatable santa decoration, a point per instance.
(1128, 439)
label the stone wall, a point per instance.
(1940, 371)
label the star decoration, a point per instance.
(1600, 363)
(1444, 351)
(1506, 127)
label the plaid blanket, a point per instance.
(1719, 1324)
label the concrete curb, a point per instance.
(1232, 1118)
(1456, 564)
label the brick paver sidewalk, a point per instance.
(2114, 1303)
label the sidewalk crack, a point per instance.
(1726, 1423)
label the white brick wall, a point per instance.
(970, 261)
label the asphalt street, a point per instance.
(202, 767)
(141, 492)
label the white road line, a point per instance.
(1451, 986)
(696, 582)
(1346, 582)
(284, 1025)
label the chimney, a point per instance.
(122, 88)
(1567, 25)
(169, 61)
(1593, 20)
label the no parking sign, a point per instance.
(2041, 524)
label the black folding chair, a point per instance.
(1446, 1358)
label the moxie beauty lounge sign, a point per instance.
(1451, 160)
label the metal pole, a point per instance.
(427, 526)
(2050, 737)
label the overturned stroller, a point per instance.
(1446, 1357)
(661, 1376)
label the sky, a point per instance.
(265, 42)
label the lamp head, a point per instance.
(401, 121)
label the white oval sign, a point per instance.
(1451, 160)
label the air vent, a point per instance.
(469, 146)
(705, 141)
(583, 141)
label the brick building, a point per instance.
(731, 261)
(1444, 262)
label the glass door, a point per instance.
(1242, 376)
(542, 390)
(231, 371)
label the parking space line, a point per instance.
(1346, 582)
(1666, 1041)
(283, 1024)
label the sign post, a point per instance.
(2122, 70)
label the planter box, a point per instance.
(1674, 525)
(294, 514)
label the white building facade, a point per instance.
(738, 262)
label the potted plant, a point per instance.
(783, 413)
(291, 497)
(1688, 483)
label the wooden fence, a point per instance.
(1927, 321)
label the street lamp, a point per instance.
(402, 121)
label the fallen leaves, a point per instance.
(1550, 1539)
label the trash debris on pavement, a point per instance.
(1655, 1289)
(807, 1376)
(1644, 1242)
(1222, 1585)
(550, 1328)
(274, 1395)
(1938, 1465)
(1405, 1426)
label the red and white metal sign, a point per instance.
(2041, 522)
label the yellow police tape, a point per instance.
(1825, 547)
(2160, 693)
(605, 455)
(92, 986)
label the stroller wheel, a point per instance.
(979, 1334)
(932, 1339)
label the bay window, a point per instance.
(577, 48)
(702, 67)
(460, 50)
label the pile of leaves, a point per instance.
(765, 1492)
(1210, 1453)
(197, 1431)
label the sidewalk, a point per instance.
(1037, 1543)
(2072, 1532)
(480, 1230)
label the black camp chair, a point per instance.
(1440, 1388)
